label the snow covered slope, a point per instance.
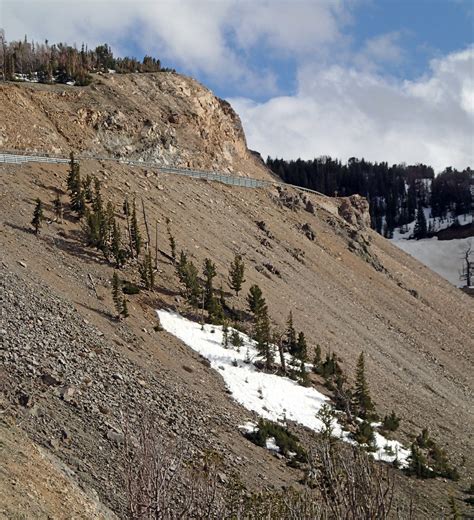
(442, 256)
(271, 396)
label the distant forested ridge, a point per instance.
(394, 192)
(62, 63)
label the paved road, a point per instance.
(232, 180)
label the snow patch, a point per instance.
(272, 397)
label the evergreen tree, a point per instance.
(87, 188)
(118, 252)
(181, 266)
(302, 350)
(209, 272)
(263, 337)
(116, 294)
(124, 311)
(147, 273)
(225, 334)
(420, 230)
(236, 274)
(171, 240)
(291, 343)
(191, 282)
(317, 359)
(58, 208)
(37, 216)
(255, 300)
(364, 407)
(72, 182)
(135, 230)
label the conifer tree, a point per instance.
(118, 252)
(58, 208)
(171, 240)
(420, 230)
(147, 273)
(116, 294)
(290, 336)
(263, 337)
(135, 231)
(37, 216)
(302, 350)
(236, 274)
(191, 282)
(124, 311)
(255, 300)
(364, 407)
(209, 272)
(317, 359)
(181, 266)
(126, 212)
(72, 174)
(225, 334)
(87, 188)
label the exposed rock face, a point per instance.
(163, 117)
(355, 211)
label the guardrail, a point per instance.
(12, 157)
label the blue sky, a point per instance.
(381, 79)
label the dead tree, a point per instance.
(468, 266)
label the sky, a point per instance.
(387, 80)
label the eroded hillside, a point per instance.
(164, 117)
(349, 289)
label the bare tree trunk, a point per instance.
(146, 226)
(130, 236)
(156, 244)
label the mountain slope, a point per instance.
(350, 291)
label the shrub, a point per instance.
(391, 422)
(284, 439)
(365, 434)
(130, 288)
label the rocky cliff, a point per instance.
(162, 117)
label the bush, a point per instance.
(130, 288)
(284, 439)
(391, 422)
(365, 434)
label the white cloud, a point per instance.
(212, 37)
(345, 113)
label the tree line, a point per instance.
(395, 193)
(63, 63)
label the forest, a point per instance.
(23, 60)
(394, 192)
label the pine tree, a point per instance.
(181, 266)
(290, 336)
(302, 350)
(87, 188)
(191, 282)
(116, 294)
(124, 310)
(317, 359)
(135, 231)
(225, 334)
(263, 337)
(172, 240)
(236, 274)
(364, 407)
(118, 252)
(37, 216)
(420, 230)
(58, 208)
(209, 272)
(255, 300)
(72, 174)
(126, 212)
(147, 273)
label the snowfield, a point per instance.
(444, 257)
(271, 396)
